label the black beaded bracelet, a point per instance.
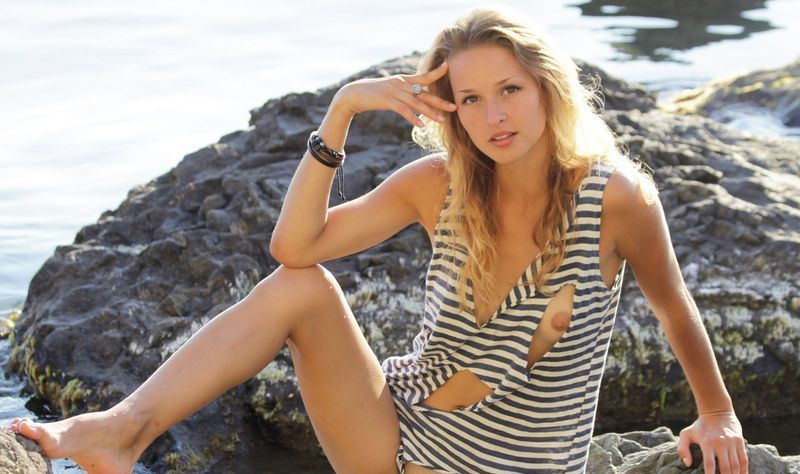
(329, 158)
(316, 143)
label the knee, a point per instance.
(307, 283)
(310, 278)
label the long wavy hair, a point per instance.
(579, 138)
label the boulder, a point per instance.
(776, 90)
(646, 452)
(732, 203)
(103, 312)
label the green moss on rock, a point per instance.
(47, 383)
(8, 323)
(188, 462)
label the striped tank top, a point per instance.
(534, 421)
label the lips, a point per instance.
(501, 135)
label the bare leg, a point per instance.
(344, 388)
(229, 349)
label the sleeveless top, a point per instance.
(534, 421)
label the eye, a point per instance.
(465, 100)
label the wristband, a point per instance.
(328, 157)
(316, 143)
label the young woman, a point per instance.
(521, 292)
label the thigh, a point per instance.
(341, 381)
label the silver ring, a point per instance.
(416, 89)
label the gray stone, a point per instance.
(776, 90)
(105, 311)
(19, 455)
(656, 452)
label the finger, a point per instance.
(423, 100)
(741, 453)
(401, 108)
(684, 450)
(733, 460)
(417, 105)
(422, 107)
(436, 101)
(709, 463)
(426, 95)
(724, 462)
(426, 78)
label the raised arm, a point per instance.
(642, 238)
(307, 232)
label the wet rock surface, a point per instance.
(775, 90)
(106, 310)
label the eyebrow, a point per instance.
(497, 84)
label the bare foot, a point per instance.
(99, 442)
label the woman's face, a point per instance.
(495, 93)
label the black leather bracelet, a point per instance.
(316, 143)
(329, 158)
(323, 160)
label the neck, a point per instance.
(522, 186)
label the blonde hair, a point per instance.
(578, 136)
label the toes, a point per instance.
(13, 425)
(30, 429)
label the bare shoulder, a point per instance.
(628, 190)
(426, 181)
(630, 203)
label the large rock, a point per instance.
(646, 452)
(733, 207)
(776, 90)
(105, 311)
(636, 452)
(19, 455)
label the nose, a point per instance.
(494, 113)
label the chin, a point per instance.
(504, 156)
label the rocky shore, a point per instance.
(105, 311)
(636, 452)
(775, 90)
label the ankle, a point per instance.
(133, 423)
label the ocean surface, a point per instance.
(98, 97)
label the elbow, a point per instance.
(287, 259)
(279, 253)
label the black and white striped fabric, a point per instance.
(534, 421)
